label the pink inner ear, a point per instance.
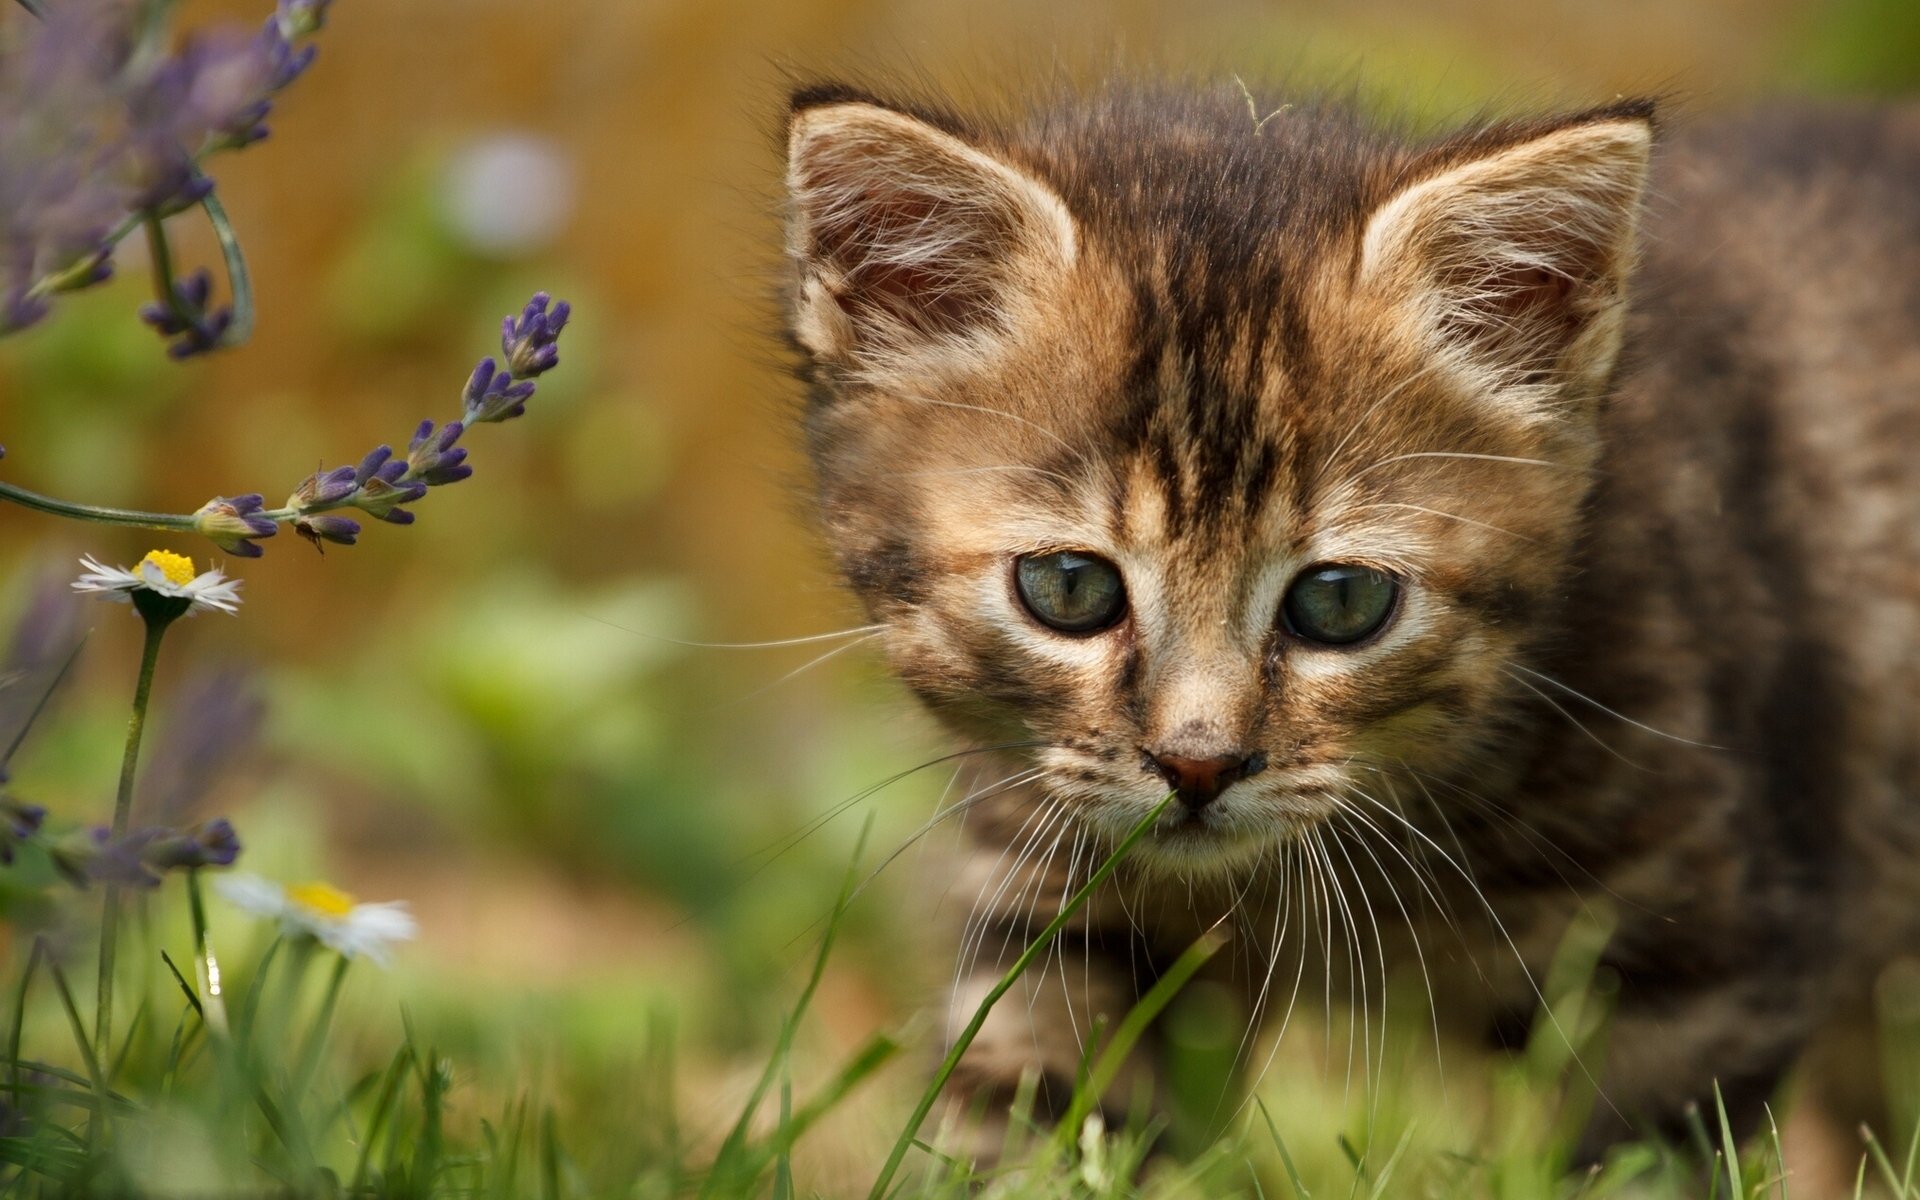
(1523, 314)
(912, 257)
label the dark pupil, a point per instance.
(1071, 591)
(1339, 604)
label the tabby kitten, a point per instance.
(1342, 484)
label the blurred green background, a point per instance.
(493, 714)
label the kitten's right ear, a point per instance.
(906, 239)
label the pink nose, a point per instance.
(1198, 781)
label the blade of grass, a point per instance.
(20, 1016)
(134, 1028)
(436, 1078)
(1045, 938)
(186, 988)
(174, 1050)
(1906, 1173)
(1128, 1032)
(1779, 1152)
(1881, 1162)
(549, 1157)
(250, 1005)
(1393, 1160)
(1286, 1160)
(723, 1168)
(316, 1041)
(1726, 1142)
(80, 1039)
(868, 1059)
(46, 695)
(783, 1155)
(382, 1111)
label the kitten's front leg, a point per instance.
(1073, 994)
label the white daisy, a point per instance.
(165, 574)
(324, 913)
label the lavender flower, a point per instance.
(381, 486)
(194, 327)
(214, 719)
(433, 459)
(209, 844)
(528, 344)
(93, 134)
(234, 524)
(18, 823)
(61, 137)
(381, 490)
(492, 394)
(43, 646)
(87, 856)
(324, 487)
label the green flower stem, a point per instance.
(239, 279)
(206, 969)
(1040, 942)
(160, 252)
(94, 512)
(122, 810)
(134, 519)
(239, 282)
(309, 1059)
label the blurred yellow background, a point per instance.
(490, 713)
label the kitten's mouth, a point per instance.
(1206, 839)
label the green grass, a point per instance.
(288, 1094)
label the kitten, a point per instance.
(1341, 484)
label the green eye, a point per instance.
(1071, 591)
(1339, 605)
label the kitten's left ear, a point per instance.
(1513, 263)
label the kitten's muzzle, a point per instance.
(1198, 781)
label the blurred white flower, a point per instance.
(165, 574)
(510, 193)
(324, 913)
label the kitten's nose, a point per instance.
(1199, 780)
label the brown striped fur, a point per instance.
(1659, 545)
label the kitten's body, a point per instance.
(1656, 636)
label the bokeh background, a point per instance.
(496, 714)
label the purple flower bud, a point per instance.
(433, 459)
(324, 488)
(380, 499)
(298, 18)
(492, 395)
(93, 856)
(210, 844)
(234, 524)
(19, 310)
(18, 822)
(371, 466)
(187, 320)
(527, 344)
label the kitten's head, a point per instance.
(1231, 457)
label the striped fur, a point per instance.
(1659, 604)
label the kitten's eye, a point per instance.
(1072, 592)
(1339, 605)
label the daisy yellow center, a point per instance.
(178, 568)
(321, 899)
